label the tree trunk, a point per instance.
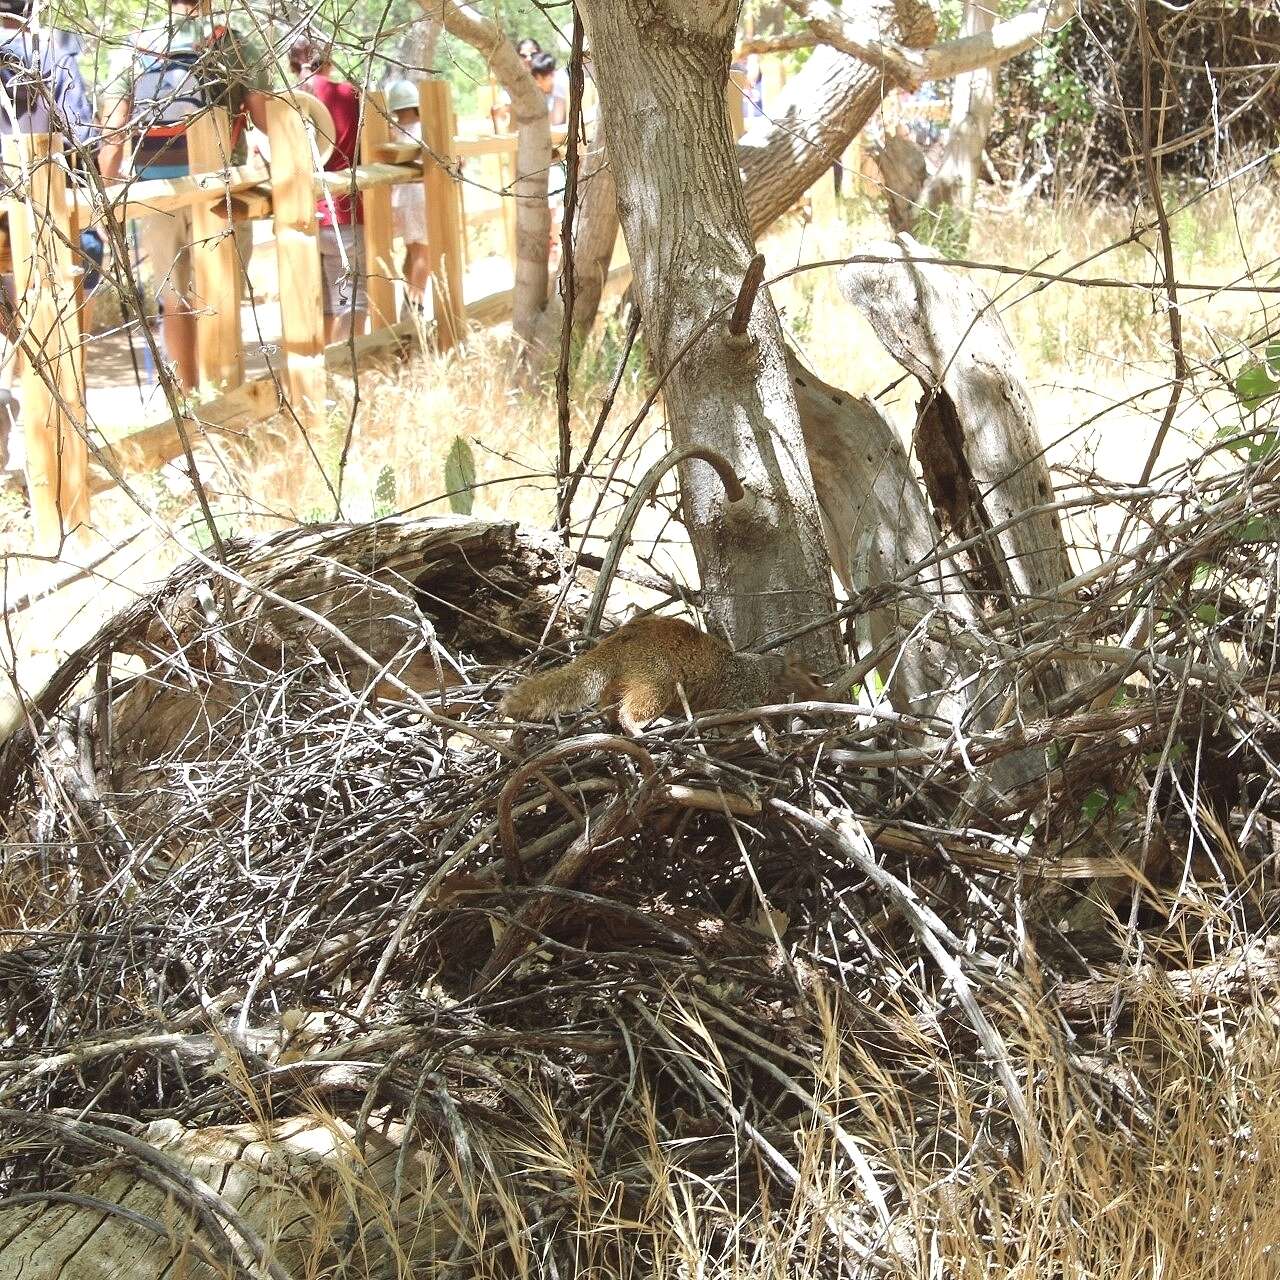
(973, 99)
(976, 434)
(662, 74)
(533, 157)
(878, 526)
(829, 102)
(903, 171)
(419, 49)
(594, 239)
(827, 105)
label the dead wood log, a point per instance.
(878, 525)
(976, 434)
(302, 1187)
(1251, 972)
(409, 593)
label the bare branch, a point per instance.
(908, 64)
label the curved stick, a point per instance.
(733, 490)
(574, 747)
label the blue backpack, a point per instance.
(19, 78)
(172, 87)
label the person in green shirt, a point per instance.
(167, 75)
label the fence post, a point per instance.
(297, 250)
(48, 319)
(506, 181)
(374, 131)
(215, 259)
(444, 232)
(735, 94)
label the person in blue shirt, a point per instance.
(40, 91)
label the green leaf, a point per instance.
(1259, 379)
(1208, 614)
(384, 493)
(460, 477)
(1256, 529)
(1093, 804)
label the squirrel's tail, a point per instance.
(569, 688)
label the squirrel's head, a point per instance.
(792, 681)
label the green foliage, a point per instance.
(1098, 801)
(460, 477)
(384, 493)
(945, 229)
(950, 17)
(1059, 88)
(597, 362)
(1258, 381)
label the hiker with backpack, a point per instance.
(166, 77)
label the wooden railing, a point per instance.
(45, 215)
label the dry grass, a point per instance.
(1156, 1146)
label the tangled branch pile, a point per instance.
(797, 991)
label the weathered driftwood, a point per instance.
(303, 1187)
(390, 591)
(878, 526)
(976, 437)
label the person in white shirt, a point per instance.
(408, 201)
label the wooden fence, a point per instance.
(45, 215)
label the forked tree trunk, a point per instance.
(596, 234)
(973, 99)
(826, 106)
(816, 117)
(662, 72)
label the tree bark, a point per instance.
(973, 100)
(878, 526)
(533, 157)
(826, 106)
(662, 71)
(976, 435)
(419, 50)
(903, 170)
(595, 236)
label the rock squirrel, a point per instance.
(639, 667)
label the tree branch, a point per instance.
(908, 63)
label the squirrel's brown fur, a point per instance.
(639, 667)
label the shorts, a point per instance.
(342, 273)
(164, 253)
(164, 250)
